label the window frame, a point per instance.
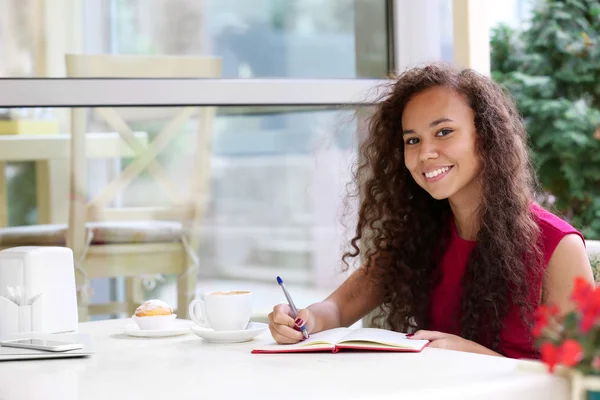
(471, 49)
(76, 92)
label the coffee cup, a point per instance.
(222, 311)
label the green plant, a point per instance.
(552, 69)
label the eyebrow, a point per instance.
(432, 124)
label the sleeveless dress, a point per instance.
(516, 340)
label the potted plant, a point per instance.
(573, 340)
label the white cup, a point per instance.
(223, 311)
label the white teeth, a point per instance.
(435, 173)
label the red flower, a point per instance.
(590, 311)
(581, 292)
(587, 300)
(542, 317)
(569, 353)
(549, 355)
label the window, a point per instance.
(255, 39)
(283, 138)
(278, 181)
(513, 12)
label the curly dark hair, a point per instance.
(399, 223)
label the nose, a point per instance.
(427, 152)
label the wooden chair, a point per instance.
(133, 242)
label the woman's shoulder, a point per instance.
(552, 229)
(550, 223)
(565, 257)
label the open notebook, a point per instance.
(338, 339)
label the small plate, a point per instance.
(254, 329)
(178, 327)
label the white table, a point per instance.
(51, 156)
(186, 367)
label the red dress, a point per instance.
(515, 339)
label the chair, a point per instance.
(593, 247)
(593, 250)
(133, 241)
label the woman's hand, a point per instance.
(283, 327)
(447, 341)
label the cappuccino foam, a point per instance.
(230, 293)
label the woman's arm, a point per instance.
(358, 295)
(351, 301)
(568, 261)
(441, 340)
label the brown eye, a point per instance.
(413, 140)
(444, 132)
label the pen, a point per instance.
(292, 306)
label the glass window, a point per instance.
(17, 41)
(415, 45)
(278, 174)
(277, 186)
(256, 39)
(512, 12)
(446, 30)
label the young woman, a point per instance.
(459, 253)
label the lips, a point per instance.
(437, 174)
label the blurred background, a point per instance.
(276, 174)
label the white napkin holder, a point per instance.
(37, 269)
(21, 318)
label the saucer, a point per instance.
(178, 327)
(254, 329)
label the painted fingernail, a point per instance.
(410, 335)
(297, 321)
(300, 323)
(297, 328)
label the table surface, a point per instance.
(187, 367)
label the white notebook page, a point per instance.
(325, 339)
(382, 336)
(331, 336)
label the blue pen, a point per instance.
(292, 306)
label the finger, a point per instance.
(438, 344)
(304, 318)
(428, 335)
(287, 332)
(272, 323)
(284, 308)
(281, 317)
(279, 338)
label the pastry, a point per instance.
(153, 308)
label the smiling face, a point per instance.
(439, 135)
